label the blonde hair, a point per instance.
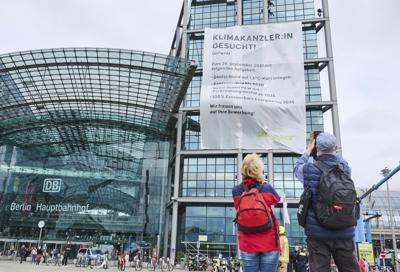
(252, 167)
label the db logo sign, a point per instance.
(52, 185)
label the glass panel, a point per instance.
(216, 175)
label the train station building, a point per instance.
(104, 144)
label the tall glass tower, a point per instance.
(201, 207)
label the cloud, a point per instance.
(365, 38)
(135, 25)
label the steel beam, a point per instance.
(331, 74)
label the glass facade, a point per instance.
(375, 209)
(294, 232)
(212, 13)
(86, 139)
(213, 221)
(253, 12)
(81, 205)
(284, 180)
(210, 175)
(379, 203)
(85, 143)
(291, 10)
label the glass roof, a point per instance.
(86, 104)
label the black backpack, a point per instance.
(304, 204)
(337, 205)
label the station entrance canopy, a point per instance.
(90, 117)
(68, 102)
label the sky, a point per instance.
(365, 36)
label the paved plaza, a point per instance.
(11, 266)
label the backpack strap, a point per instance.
(325, 168)
(322, 166)
(258, 186)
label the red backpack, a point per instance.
(253, 214)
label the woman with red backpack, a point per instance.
(258, 228)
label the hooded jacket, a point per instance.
(259, 241)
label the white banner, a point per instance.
(253, 90)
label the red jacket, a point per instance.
(260, 241)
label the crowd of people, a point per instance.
(42, 255)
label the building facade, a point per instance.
(383, 214)
(104, 144)
(202, 180)
(85, 144)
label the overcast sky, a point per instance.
(365, 36)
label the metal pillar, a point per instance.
(265, 11)
(239, 15)
(270, 169)
(174, 231)
(239, 180)
(385, 172)
(331, 75)
(166, 232)
(174, 223)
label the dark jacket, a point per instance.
(310, 175)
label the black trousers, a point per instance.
(342, 251)
(65, 260)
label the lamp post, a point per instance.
(385, 171)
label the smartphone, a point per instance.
(313, 136)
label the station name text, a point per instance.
(41, 207)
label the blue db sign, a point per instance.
(52, 185)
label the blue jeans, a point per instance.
(260, 261)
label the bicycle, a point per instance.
(55, 260)
(80, 261)
(137, 263)
(152, 265)
(165, 264)
(379, 268)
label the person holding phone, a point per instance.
(324, 242)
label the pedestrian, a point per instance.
(22, 253)
(291, 260)
(361, 263)
(324, 242)
(55, 257)
(39, 255)
(33, 255)
(284, 255)
(66, 250)
(301, 261)
(364, 264)
(45, 256)
(258, 233)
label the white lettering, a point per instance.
(20, 207)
